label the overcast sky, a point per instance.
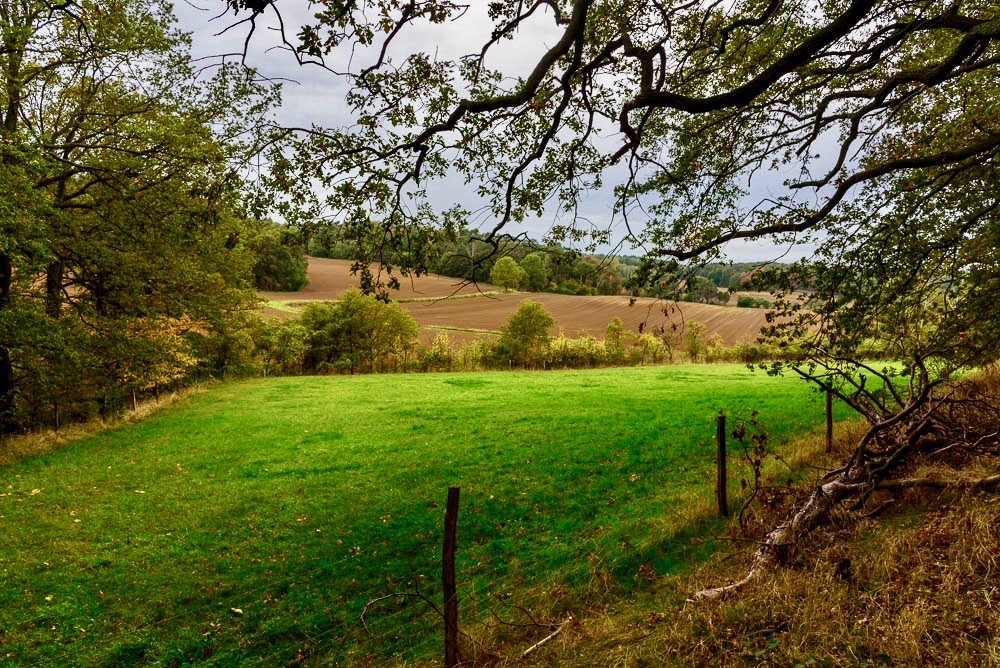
(312, 95)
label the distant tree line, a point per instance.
(527, 265)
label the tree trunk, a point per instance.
(53, 288)
(6, 367)
(6, 389)
(776, 545)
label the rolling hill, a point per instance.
(467, 311)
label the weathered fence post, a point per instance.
(829, 419)
(451, 658)
(720, 482)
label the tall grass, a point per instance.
(251, 523)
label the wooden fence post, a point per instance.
(720, 482)
(451, 658)
(829, 419)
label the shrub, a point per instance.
(282, 346)
(746, 301)
(525, 335)
(357, 333)
(438, 356)
(281, 260)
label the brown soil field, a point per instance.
(466, 311)
(328, 278)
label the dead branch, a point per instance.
(401, 594)
(988, 482)
(772, 550)
(546, 638)
(918, 427)
(780, 540)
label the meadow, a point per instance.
(250, 523)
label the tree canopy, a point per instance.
(525, 334)
(358, 332)
(853, 125)
(120, 192)
(691, 99)
(507, 273)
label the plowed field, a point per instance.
(469, 311)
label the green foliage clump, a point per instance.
(614, 341)
(564, 353)
(280, 259)
(694, 343)
(357, 333)
(438, 357)
(525, 336)
(535, 278)
(746, 301)
(327, 241)
(507, 274)
(282, 346)
(701, 289)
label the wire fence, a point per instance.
(309, 612)
(302, 614)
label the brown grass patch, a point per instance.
(13, 448)
(918, 586)
(921, 590)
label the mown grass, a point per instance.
(285, 305)
(249, 524)
(456, 296)
(444, 328)
(296, 305)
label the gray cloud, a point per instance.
(313, 95)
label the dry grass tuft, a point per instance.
(13, 448)
(921, 588)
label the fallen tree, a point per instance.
(942, 422)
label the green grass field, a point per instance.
(250, 523)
